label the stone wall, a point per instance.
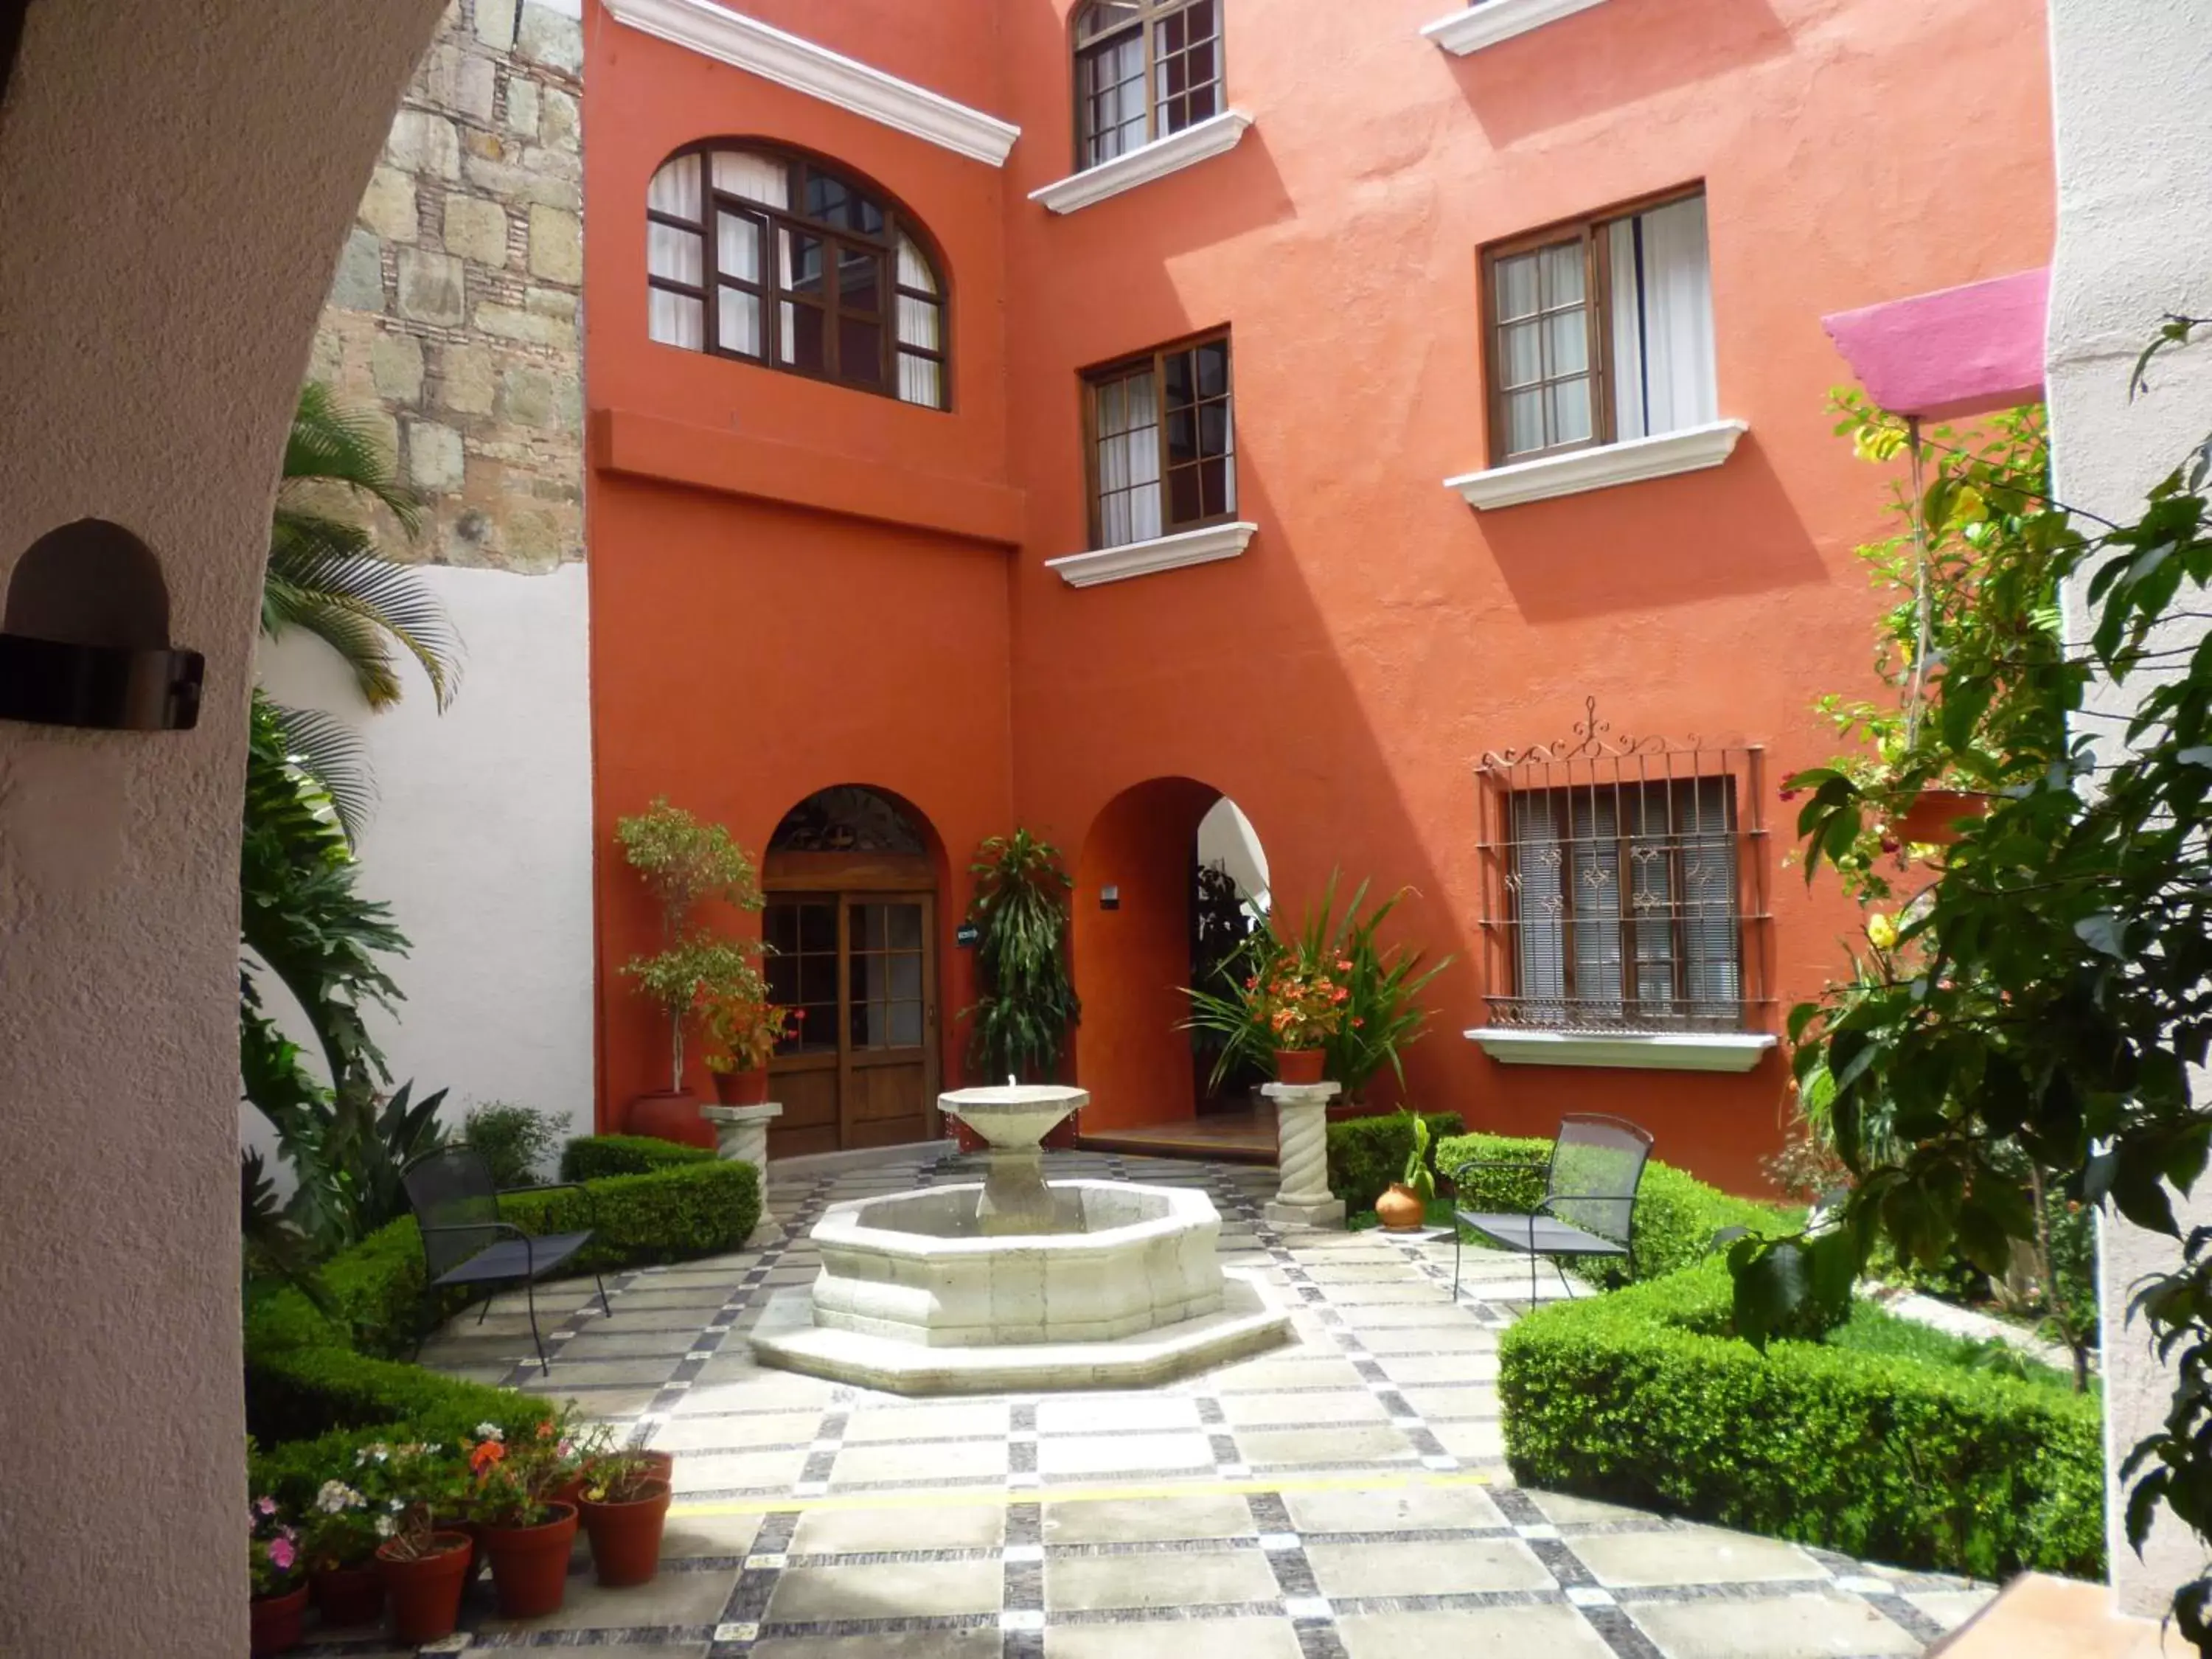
(455, 313)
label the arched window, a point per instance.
(1144, 68)
(778, 259)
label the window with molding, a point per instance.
(1144, 68)
(1161, 442)
(782, 259)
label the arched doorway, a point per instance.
(1171, 878)
(850, 880)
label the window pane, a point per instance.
(675, 188)
(1185, 501)
(1213, 429)
(779, 926)
(1517, 286)
(1570, 412)
(802, 343)
(802, 262)
(1213, 368)
(1200, 20)
(918, 321)
(737, 246)
(921, 381)
(817, 979)
(672, 252)
(757, 178)
(824, 198)
(905, 971)
(1569, 338)
(1182, 435)
(1216, 496)
(913, 269)
(1524, 422)
(675, 319)
(817, 927)
(1523, 355)
(905, 1030)
(782, 976)
(739, 321)
(1205, 98)
(902, 932)
(859, 350)
(859, 281)
(1107, 16)
(1177, 370)
(1563, 274)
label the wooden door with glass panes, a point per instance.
(858, 1068)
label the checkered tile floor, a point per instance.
(1343, 1495)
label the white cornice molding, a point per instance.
(1686, 451)
(1212, 136)
(729, 37)
(1654, 1051)
(1117, 564)
(1488, 22)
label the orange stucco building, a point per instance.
(1571, 257)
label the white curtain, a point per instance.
(1128, 461)
(756, 177)
(1662, 321)
(676, 320)
(675, 189)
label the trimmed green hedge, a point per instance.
(1643, 1397)
(1366, 1154)
(308, 1375)
(593, 1157)
(1676, 1215)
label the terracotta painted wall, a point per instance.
(1340, 679)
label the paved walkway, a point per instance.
(1346, 1496)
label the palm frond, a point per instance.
(333, 754)
(331, 444)
(317, 582)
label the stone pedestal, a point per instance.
(741, 1134)
(1302, 1156)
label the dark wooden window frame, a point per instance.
(1597, 311)
(1146, 24)
(1155, 360)
(883, 247)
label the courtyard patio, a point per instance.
(1346, 1494)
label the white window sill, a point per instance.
(1118, 564)
(1686, 451)
(1214, 135)
(1489, 21)
(1655, 1051)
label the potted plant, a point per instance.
(423, 1563)
(1026, 1007)
(341, 1536)
(685, 864)
(1405, 1207)
(527, 1533)
(744, 1027)
(625, 1507)
(279, 1575)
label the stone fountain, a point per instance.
(1016, 1283)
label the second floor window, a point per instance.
(782, 260)
(1144, 68)
(1599, 331)
(1162, 444)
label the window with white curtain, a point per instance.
(1162, 443)
(1600, 331)
(1144, 68)
(780, 260)
(1626, 911)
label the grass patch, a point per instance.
(1874, 1330)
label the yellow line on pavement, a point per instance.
(958, 1498)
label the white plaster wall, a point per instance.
(482, 844)
(1225, 837)
(2133, 115)
(176, 177)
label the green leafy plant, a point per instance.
(1026, 1007)
(684, 864)
(516, 1141)
(743, 1025)
(1418, 1177)
(348, 1153)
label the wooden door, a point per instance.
(861, 967)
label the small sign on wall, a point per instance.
(966, 935)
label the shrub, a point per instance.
(589, 1157)
(1644, 1397)
(1366, 1154)
(514, 1140)
(1676, 1215)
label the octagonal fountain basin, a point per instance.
(916, 1296)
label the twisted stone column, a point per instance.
(1302, 1156)
(741, 1135)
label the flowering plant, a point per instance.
(744, 1025)
(621, 1477)
(512, 1483)
(1298, 1002)
(273, 1550)
(341, 1528)
(408, 1491)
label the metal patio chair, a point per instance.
(1588, 1207)
(465, 1243)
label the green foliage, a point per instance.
(1366, 1154)
(515, 1140)
(347, 1153)
(1679, 1218)
(590, 1157)
(1871, 1446)
(1419, 1176)
(1382, 1016)
(685, 863)
(1027, 1006)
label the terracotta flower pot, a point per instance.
(350, 1595)
(671, 1114)
(426, 1592)
(747, 1088)
(1401, 1209)
(276, 1621)
(529, 1564)
(626, 1537)
(1933, 817)
(1299, 1065)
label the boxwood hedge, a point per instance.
(591, 1158)
(1643, 1397)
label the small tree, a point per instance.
(1027, 1005)
(685, 863)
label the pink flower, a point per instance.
(267, 1505)
(282, 1554)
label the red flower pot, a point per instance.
(276, 1621)
(741, 1088)
(426, 1591)
(671, 1114)
(1299, 1065)
(349, 1596)
(626, 1537)
(529, 1564)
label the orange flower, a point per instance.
(486, 1454)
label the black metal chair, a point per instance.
(1588, 1207)
(465, 1243)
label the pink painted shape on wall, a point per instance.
(1958, 351)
